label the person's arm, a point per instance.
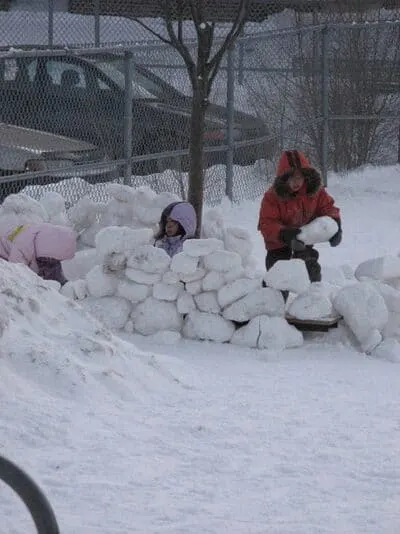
(269, 222)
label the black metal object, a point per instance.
(32, 496)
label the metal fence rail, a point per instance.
(324, 85)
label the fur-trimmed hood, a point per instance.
(312, 179)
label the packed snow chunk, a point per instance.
(169, 292)
(77, 267)
(198, 274)
(83, 214)
(149, 259)
(113, 312)
(213, 224)
(207, 326)
(319, 230)
(288, 275)
(277, 334)
(388, 350)
(371, 341)
(202, 247)
(54, 204)
(118, 213)
(364, 311)
(141, 277)
(233, 274)
(236, 290)
(133, 291)
(75, 289)
(184, 264)
(382, 268)
(311, 305)
(222, 261)
(88, 236)
(207, 302)
(238, 240)
(23, 209)
(101, 284)
(264, 300)
(115, 262)
(185, 303)
(248, 334)
(152, 315)
(390, 295)
(121, 192)
(166, 337)
(142, 205)
(169, 277)
(193, 288)
(121, 239)
(213, 281)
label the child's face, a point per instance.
(295, 182)
(171, 228)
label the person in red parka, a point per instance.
(296, 197)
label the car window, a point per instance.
(119, 78)
(66, 74)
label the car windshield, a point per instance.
(118, 77)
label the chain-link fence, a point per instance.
(122, 98)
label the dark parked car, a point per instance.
(84, 99)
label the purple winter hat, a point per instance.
(184, 214)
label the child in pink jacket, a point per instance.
(40, 246)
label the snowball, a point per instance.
(207, 326)
(238, 240)
(318, 230)
(364, 311)
(121, 239)
(54, 204)
(78, 266)
(149, 259)
(133, 291)
(265, 300)
(213, 281)
(389, 350)
(168, 292)
(207, 302)
(113, 312)
(141, 277)
(276, 333)
(237, 289)
(185, 303)
(248, 334)
(198, 274)
(83, 214)
(202, 247)
(382, 268)
(312, 305)
(233, 274)
(213, 224)
(288, 275)
(152, 315)
(99, 283)
(184, 264)
(22, 209)
(194, 288)
(222, 261)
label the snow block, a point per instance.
(319, 230)
(236, 290)
(101, 284)
(113, 312)
(264, 300)
(207, 326)
(202, 247)
(382, 268)
(149, 259)
(288, 275)
(152, 316)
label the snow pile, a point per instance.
(50, 343)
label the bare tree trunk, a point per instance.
(196, 181)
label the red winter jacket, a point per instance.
(281, 208)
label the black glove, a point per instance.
(336, 239)
(289, 237)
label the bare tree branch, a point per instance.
(156, 34)
(237, 27)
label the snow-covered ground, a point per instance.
(131, 435)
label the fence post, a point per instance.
(128, 119)
(97, 23)
(325, 105)
(50, 25)
(230, 101)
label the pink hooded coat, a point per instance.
(30, 241)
